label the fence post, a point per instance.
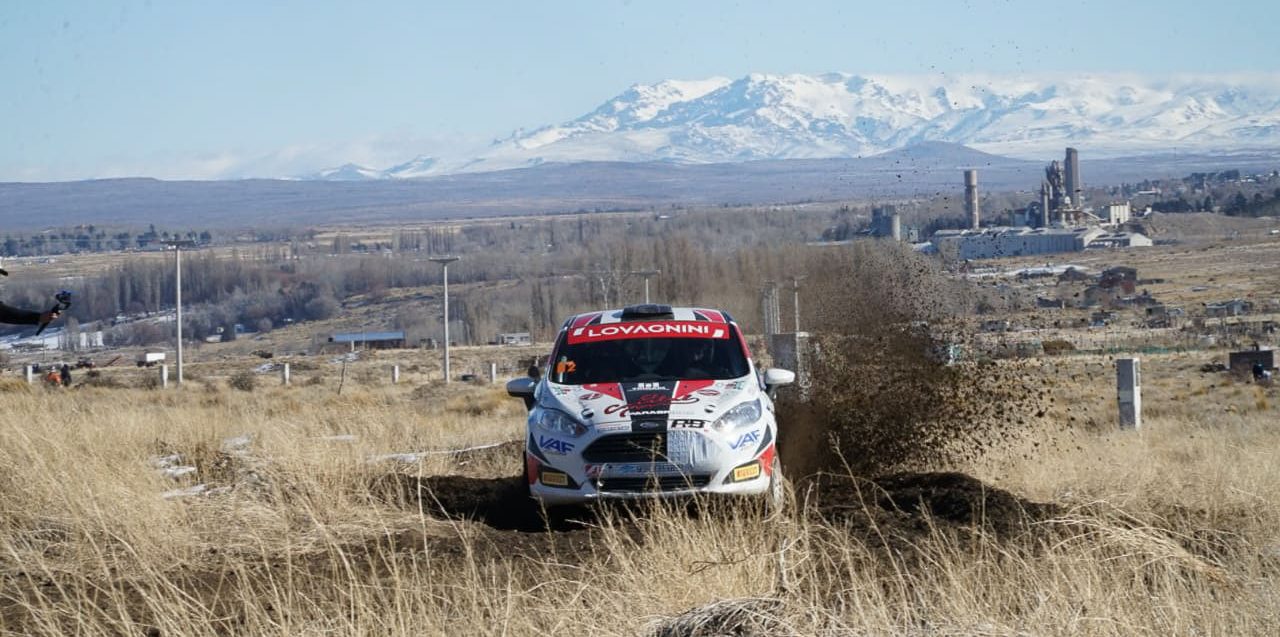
(284, 375)
(31, 375)
(395, 374)
(493, 373)
(790, 351)
(1129, 392)
(164, 376)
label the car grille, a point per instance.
(627, 447)
(635, 484)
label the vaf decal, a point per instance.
(745, 439)
(555, 445)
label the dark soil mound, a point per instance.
(501, 503)
(905, 503)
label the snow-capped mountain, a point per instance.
(419, 166)
(347, 172)
(840, 115)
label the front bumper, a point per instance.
(720, 469)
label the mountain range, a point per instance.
(837, 115)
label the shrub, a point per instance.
(244, 381)
(1058, 346)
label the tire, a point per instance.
(524, 473)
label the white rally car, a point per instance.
(650, 401)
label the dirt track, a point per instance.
(902, 505)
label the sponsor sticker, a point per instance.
(555, 479)
(640, 469)
(554, 445)
(746, 472)
(684, 423)
(650, 404)
(653, 329)
(745, 439)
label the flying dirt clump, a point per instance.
(884, 396)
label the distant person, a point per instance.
(64, 374)
(16, 316)
(1260, 372)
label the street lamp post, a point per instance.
(178, 245)
(445, 261)
(646, 274)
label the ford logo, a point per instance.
(649, 424)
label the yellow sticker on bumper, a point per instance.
(747, 472)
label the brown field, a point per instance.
(343, 504)
(302, 527)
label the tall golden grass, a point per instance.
(1171, 530)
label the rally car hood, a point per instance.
(602, 405)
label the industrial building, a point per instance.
(886, 222)
(369, 340)
(1056, 222)
(971, 199)
(990, 243)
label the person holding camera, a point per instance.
(18, 316)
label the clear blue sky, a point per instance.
(206, 89)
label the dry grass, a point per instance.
(1172, 530)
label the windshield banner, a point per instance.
(655, 329)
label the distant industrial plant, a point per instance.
(1059, 221)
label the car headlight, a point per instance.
(557, 422)
(743, 415)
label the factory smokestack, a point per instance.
(971, 197)
(1074, 187)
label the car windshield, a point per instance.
(609, 357)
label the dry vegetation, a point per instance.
(311, 511)
(301, 529)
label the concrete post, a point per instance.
(284, 374)
(164, 376)
(31, 375)
(493, 373)
(395, 374)
(1129, 392)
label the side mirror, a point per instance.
(774, 377)
(522, 388)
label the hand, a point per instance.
(49, 317)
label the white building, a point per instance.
(1114, 214)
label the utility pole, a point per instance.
(795, 291)
(445, 261)
(646, 274)
(769, 308)
(604, 277)
(177, 245)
